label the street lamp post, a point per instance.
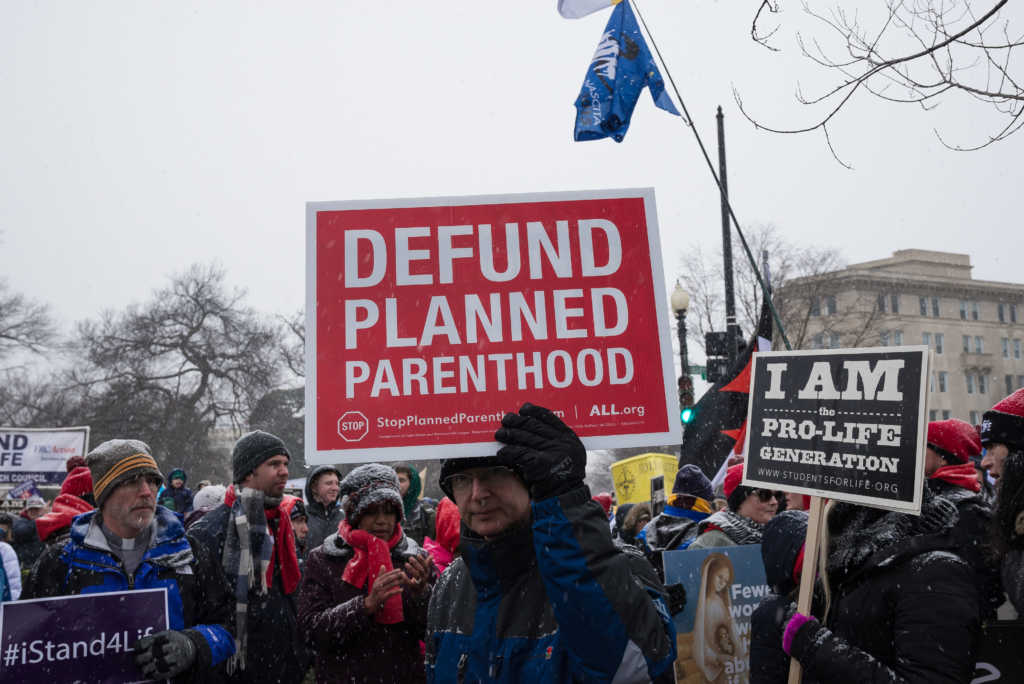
(680, 304)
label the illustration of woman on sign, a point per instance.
(716, 639)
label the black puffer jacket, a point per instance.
(970, 538)
(275, 651)
(350, 645)
(904, 607)
(323, 520)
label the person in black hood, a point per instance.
(782, 550)
(323, 509)
(904, 608)
(420, 517)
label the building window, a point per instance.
(923, 303)
(815, 306)
(974, 417)
(926, 339)
(1001, 312)
(1020, 381)
(1013, 313)
(897, 337)
(938, 342)
(983, 383)
(979, 344)
(975, 311)
(1006, 347)
(931, 382)
(963, 309)
(935, 307)
(933, 415)
(970, 382)
(883, 338)
(946, 414)
(818, 341)
(942, 381)
(1016, 349)
(967, 344)
(834, 341)
(830, 305)
(881, 303)
(1009, 383)
(894, 300)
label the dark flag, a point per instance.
(720, 414)
(621, 68)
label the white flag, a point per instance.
(574, 9)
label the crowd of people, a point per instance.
(518, 573)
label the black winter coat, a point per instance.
(904, 607)
(970, 539)
(275, 651)
(350, 645)
(26, 542)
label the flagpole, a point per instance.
(688, 121)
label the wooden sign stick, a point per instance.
(803, 604)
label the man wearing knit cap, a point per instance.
(541, 593)
(743, 521)
(676, 527)
(251, 532)
(129, 542)
(950, 446)
(1002, 435)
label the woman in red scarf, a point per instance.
(363, 599)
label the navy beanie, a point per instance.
(691, 480)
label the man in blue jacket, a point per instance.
(541, 593)
(129, 542)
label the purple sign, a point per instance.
(84, 638)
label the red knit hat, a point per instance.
(953, 439)
(78, 482)
(1004, 422)
(733, 477)
(605, 499)
(75, 461)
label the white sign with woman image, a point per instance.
(723, 587)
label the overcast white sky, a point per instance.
(140, 137)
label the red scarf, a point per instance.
(370, 553)
(284, 539)
(961, 475)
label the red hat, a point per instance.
(733, 477)
(605, 499)
(953, 439)
(75, 461)
(78, 482)
(1004, 422)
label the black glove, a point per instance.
(543, 449)
(164, 655)
(676, 598)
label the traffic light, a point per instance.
(686, 415)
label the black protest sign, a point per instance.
(847, 424)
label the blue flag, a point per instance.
(621, 67)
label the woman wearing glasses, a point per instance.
(744, 520)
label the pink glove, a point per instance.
(792, 627)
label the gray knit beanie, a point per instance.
(252, 449)
(117, 460)
(366, 486)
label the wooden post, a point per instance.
(803, 604)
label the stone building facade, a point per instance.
(975, 328)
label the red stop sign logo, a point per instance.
(353, 426)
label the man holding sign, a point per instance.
(540, 592)
(131, 543)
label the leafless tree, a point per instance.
(914, 52)
(293, 347)
(194, 344)
(24, 324)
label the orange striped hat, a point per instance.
(117, 460)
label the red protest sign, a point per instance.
(428, 319)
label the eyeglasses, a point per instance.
(766, 495)
(461, 484)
